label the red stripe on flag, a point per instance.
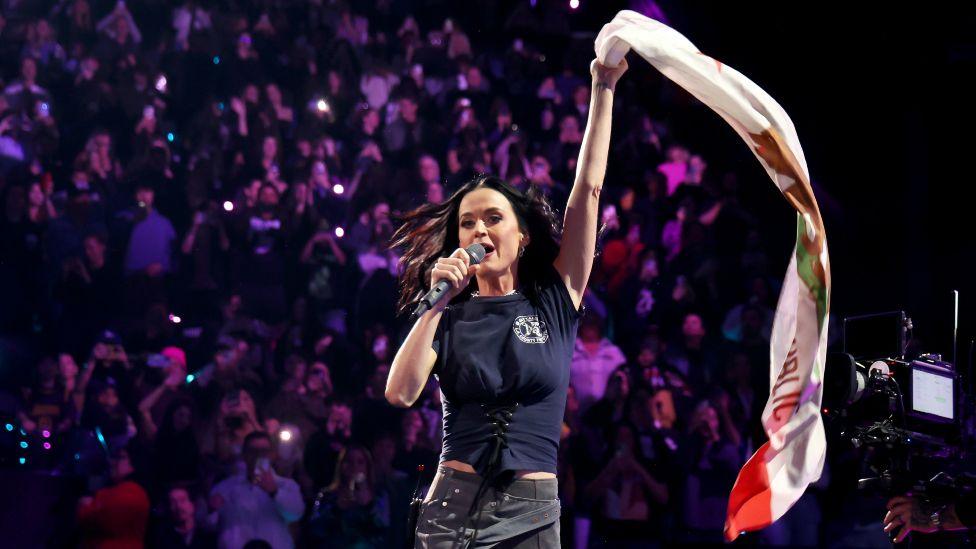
(750, 503)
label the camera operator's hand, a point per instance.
(909, 513)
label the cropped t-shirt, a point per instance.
(502, 350)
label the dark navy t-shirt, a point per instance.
(503, 350)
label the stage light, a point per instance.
(285, 435)
(573, 4)
(190, 378)
(24, 445)
(77, 457)
(47, 445)
(46, 434)
(216, 60)
(170, 137)
(228, 206)
(10, 426)
(322, 105)
(340, 232)
(175, 319)
(338, 189)
(23, 461)
(161, 83)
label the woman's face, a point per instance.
(487, 217)
(354, 465)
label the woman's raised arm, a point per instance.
(578, 245)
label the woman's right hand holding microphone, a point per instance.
(456, 269)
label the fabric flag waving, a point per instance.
(779, 472)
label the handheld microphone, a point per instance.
(476, 252)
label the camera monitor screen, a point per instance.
(932, 393)
(875, 336)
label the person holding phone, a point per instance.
(501, 341)
(346, 513)
(256, 503)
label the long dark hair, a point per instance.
(430, 232)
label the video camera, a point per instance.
(904, 412)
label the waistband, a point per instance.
(543, 488)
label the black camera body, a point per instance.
(904, 414)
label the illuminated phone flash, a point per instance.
(574, 4)
(285, 435)
(322, 105)
(175, 319)
(338, 189)
(340, 232)
(228, 206)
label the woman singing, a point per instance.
(500, 343)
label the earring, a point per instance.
(521, 251)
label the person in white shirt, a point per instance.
(594, 359)
(256, 503)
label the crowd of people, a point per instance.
(197, 200)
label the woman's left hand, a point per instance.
(603, 74)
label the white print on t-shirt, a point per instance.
(530, 329)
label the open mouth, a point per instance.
(488, 249)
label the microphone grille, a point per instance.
(476, 252)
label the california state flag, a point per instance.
(778, 473)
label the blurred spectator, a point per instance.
(594, 358)
(256, 503)
(115, 516)
(625, 495)
(692, 354)
(713, 463)
(347, 513)
(323, 448)
(151, 240)
(179, 529)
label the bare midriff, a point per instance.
(528, 475)
(462, 466)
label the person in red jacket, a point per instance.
(115, 517)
